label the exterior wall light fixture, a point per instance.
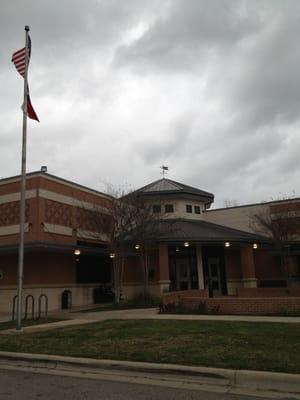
(177, 249)
(227, 244)
(186, 244)
(112, 255)
(137, 246)
(77, 252)
(254, 246)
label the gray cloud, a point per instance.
(188, 34)
(209, 88)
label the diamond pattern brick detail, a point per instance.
(58, 213)
(10, 213)
(86, 219)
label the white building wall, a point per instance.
(236, 217)
(180, 208)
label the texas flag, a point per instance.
(19, 59)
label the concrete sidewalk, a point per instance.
(258, 383)
(152, 313)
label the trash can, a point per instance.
(66, 299)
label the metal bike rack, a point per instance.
(29, 297)
(41, 297)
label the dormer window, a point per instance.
(156, 208)
(189, 208)
(169, 208)
(197, 210)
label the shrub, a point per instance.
(143, 299)
(201, 308)
(173, 308)
(167, 308)
(215, 310)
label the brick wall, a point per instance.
(175, 297)
(268, 292)
(244, 306)
(233, 263)
(133, 271)
(267, 266)
(39, 269)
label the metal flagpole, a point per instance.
(23, 189)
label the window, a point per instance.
(197, 210)
(156, 208)
(169, 208)
(189, 208)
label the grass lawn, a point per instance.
(240, 345)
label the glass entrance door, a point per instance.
(214, 275)
(183, 274)
(183, 268)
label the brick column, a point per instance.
(164, 275)
(248, 267)
(291, 269)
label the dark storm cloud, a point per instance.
(248, 54)
(269, 85)
(65, 22)
(190, 33)
(211, 88)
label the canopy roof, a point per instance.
(205, 232)
(180, 230)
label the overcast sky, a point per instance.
(209, 88)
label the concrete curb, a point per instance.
(279, 383)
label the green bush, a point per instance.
(143, 299)
(173, 308)
(201, 308)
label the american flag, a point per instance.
(19, 59)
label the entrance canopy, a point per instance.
(204, 232)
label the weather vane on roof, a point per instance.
(164, 170)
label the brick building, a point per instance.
(55, 227)
(196, 248)
(199, 246)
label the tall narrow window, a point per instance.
(169, 208)
(156, 208)
(189, 208)
(197, 210)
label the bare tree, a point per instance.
(279, 226)
(107, 225)
(230, 203)
(146, 229)
(128, 224)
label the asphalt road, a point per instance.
(19, 385)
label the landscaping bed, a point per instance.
(237, 345)
(113, 307)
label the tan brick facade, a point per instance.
(53, 210)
